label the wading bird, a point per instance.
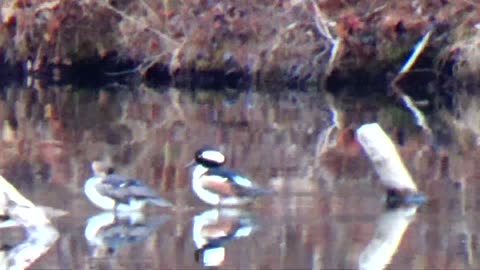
(110, 191)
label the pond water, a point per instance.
(329, 212)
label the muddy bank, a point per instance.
(237, 43)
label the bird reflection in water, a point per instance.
(389, 230)
(214, 228)
(107, 232)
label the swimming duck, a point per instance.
(111, 191)
(217, 185)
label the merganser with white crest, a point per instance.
(220, 186)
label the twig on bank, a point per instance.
(123, 72)
(279, 40)
(149, 9)
(175, 63)
(375, 11)
(141, 68)
(407, 101)
(170, 42)
(50, 5)
(149, 62)
(333, 56)
(321, 22)
(419, 48)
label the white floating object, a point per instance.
(19, 208)
(41, 235)
(385, 158)
(10, 193)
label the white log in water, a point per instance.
(385, 158)
(389, 231)
(21, 210)
(11, 195)
(40, 233)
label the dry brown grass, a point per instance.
(291, 39)
(467, 56)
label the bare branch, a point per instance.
(170, 42)
(322, 22)
(333, 55)
(419, 48)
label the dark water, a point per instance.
(329, 212)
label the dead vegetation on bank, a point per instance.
(278, 40)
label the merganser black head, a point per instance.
(209, 157)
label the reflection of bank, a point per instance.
(214, 228)
(107, 232)
(389, 230)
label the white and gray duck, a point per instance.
(220, 186)
(111, 191)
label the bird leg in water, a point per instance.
(115, 212)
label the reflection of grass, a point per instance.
(149, 134)
(277, 147)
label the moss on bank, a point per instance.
(239, 42)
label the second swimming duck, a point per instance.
(220, 186)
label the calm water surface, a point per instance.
(328, 213)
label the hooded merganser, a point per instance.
(216, 185)
(110, 191)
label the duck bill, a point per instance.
(190, 164)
